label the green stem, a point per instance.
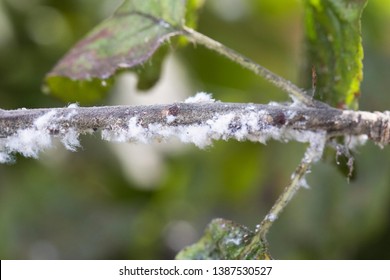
(287, 86)
(251, 250)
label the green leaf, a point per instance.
(191, 12)
(125, 40)
(81, 91)
(333, 36)
(222, 240)
(149, 74)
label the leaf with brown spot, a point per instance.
(125, 40)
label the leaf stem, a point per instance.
(295, 92)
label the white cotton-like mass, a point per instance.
(303, 183)
(200, 97)
(271, 217)
(220, 126)
(4, 157)
(196, 134)
(237, 240)
(353, 142)
(32, 140)
(249, 124)
(317, 141)
(170, 119)
(73, 105)
(28, 142)
(136, 131)
(71, 140)
(273, 103)
(43, 121)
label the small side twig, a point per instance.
(312, 154)
(287, 86)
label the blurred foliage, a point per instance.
(82, 206)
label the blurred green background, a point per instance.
(88, 205)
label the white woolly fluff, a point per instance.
(219, 126)
(71, 140)
(73, 105)
(197, 134)
(30, 141)
(303, 183)
(239, 126)
(170, 119)
(238, 240)
(354, 142)
(271, 217)
(200, 97)
(43, 121)
(4, 157)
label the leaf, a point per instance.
(148, 75)
(191, 12)
(333, 36)
(127, 39)
(222, 240)
(81, 91)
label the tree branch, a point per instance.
(198, 123)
